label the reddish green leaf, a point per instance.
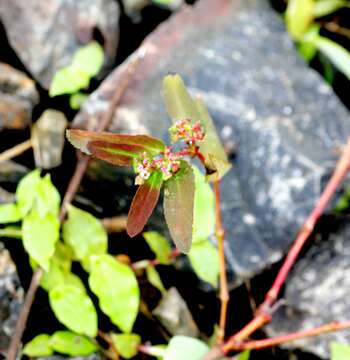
(178, 206)
(143, 204)
(118, 149)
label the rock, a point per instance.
(11, 297)
(12, 172)
(284, 120)
(174, 315)
(46, 34)
(317, 292)
(18, 96)
(48, 136)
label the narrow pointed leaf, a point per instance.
(178, 206)
(143, 204)
(211, 147)
(118, 149)
(180, 105)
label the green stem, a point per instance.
(11, 233)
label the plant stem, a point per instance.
(16, 150)
(11, 233)
(142, 264)
(220, 235)
(151, 350)
(261, 344)
(71, 190)
(263, 314)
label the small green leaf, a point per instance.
(126, 344)
(307, 50)
(26, 191)
(9, 213)
(178, 206)
(39, 346)
(77, 100)
(74, 309)
(11, 232)
(40, 235)
(159, 245)
(85, 234)
(327, 7)
(216, 162)
(245, 355)
(47, 198)
(340, 351)
(185, 348)
(69, 80)
(154, 278)
(116, 287)
(89, 58)
(204, 208)
(299, 16)
(204, 259)
(69, 343)
(339, 56)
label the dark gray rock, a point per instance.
(46, 34)
(11, 297)
(18, 96)
(11, 171)
(317, 292)
(6, 197)
(284, 120)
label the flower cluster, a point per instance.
(168, 163)
(185, 130)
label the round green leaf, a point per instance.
(159, 245)
(116, 287)
(89, 58)
(126, 344)
(9, 213)
(204, 259)
(185, 348)
(39, 346)
(74, 309)
(40, 235)
(66, 342)
(340, 351)
(85, 234)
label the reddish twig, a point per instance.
(70, 193)
(263, 314)
(220, 235)
(265, 343)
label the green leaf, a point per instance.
(116, 287)
(66, 342)
(178, 206)
(40, 235)
(9, 213)
(77, 100)
(339, 56)
(204, 208)
(69, 80)
(26, 191)
(154, 278)
(143, 203)
(327, 7)
(39, 346)
(307, 50)
(340, 351)
(180, 105)
(204, 259)
(185, 348)
(216, 162)
(74, 309)
(118, 149)
(85, 234)
(11, 232)
(47, 198)
(299, 16)
(245, 355)
(89, 58)
(159, 245)
(126, 344)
